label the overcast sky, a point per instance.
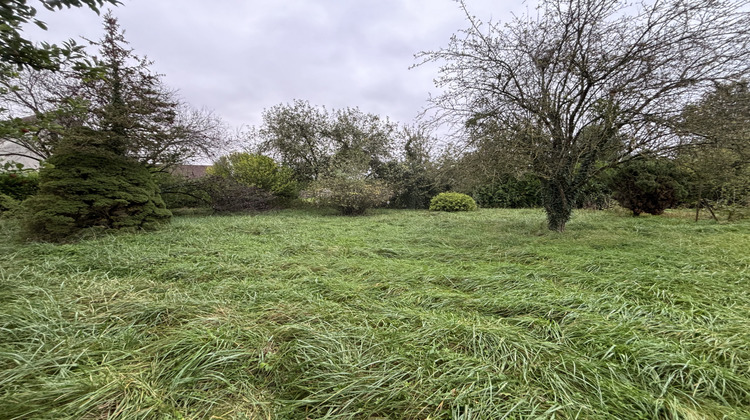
(238, 57)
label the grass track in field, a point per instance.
(400, 314)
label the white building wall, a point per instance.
(7, 147)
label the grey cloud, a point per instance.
(239, 57)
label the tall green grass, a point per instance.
(400, 314)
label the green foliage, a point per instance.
(181, 192)
(258, 171)
(717, 124)
(595, 194)
(413, 178)
(452, 201)
(718, 155)
(509, 192)
(413, 185)
(7, 204)
(17, 182)
(316, 143)
(228, 195)
(15, 50)
(350, 195)
(648, 185)
(90, 187)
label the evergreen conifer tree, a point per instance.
(86, 184)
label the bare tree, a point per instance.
(583, 77)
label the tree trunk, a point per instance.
(559, 199)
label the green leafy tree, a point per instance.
(717, 130)
(315, 142)
(257, 171)
(297, 135)
(581, 75)
(411, 174)
(18, 51)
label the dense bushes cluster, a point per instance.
(7, 204)
(257, 171)
(179, 191)
(413, 184)
(452, 201)
(648, 185)
(228, 195)
(509, 192)
(18, 182)
(595, 194)
(350, 195)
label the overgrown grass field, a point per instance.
(395, 315)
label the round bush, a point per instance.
(452, 201)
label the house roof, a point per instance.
(190, 171)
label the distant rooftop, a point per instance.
(190, 171)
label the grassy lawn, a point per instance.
(400, 314)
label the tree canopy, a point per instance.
(314, 141)
(716, 130)
(16, 50)
(581, 76)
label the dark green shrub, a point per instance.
(258, 171)
(452, 201)
(595, 194)
(648, 185)
(510, 192)
(182, 192)
(18, 182)
(228, 195)
(350, 195)
(413, 186)
(87, 187)
(7, 204)
(413, 177)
